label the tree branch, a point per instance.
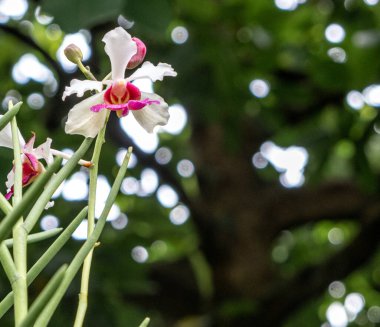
(313, 280)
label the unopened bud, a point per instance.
(73, 53)
(138, 58)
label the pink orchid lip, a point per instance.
(124, 107)
(9, 194)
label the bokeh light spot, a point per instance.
(179, 34)
(185, 168)
(373, 314)
(335, 33)
(167, 196)
(355, 100)
(259, 161)
(149, 180)
(130, 185)
(259, 88)
(49, 222)
(336, 315)
(35, 101)
(338, 55)
(354, 303)
(335, 236)
(140, 254)
(286, 4)
(81, 232)
(75, 188)
(121, 222)
(179, 215)
(177, 120)
(337, 289)
(163, 155)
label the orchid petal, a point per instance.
(139, 104)
(153, 114)
(43, 151)
(79, 87)
(154, 73)
(120, 48)
(28, 147)
(83, 121)
(10, 179)
(6, 137)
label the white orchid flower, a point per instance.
(88, 117)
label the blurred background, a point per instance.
(259, 203)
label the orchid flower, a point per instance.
(88, 117)
(31, 166)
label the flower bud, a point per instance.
(73, 53)
(138, 58)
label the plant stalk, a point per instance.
(19, 284)
(83, 295)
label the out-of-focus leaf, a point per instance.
(73, 15)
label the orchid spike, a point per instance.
(121, 95)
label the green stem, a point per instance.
(86, 71)
(37, 237)
(83, 295)
(7, 262)
(48, 255)
(5, 206)
(76, 263)
(44, 297)
(19, 285)
(7, 117)
(145, 323)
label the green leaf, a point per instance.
(153, 18)
(73, 15)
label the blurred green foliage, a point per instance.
(231, 43)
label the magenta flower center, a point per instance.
(121, 97)
(121, 92)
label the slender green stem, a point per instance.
(44, 297)
(19, 285)
(145, 323)
(17, 196)
(48, 255)
(76, 263)
(86, 71)
(37, 237)
(7, 117)
(83, 295)
(5, 206)
(7, 262)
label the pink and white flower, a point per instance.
(88, 117)
(31, 166)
